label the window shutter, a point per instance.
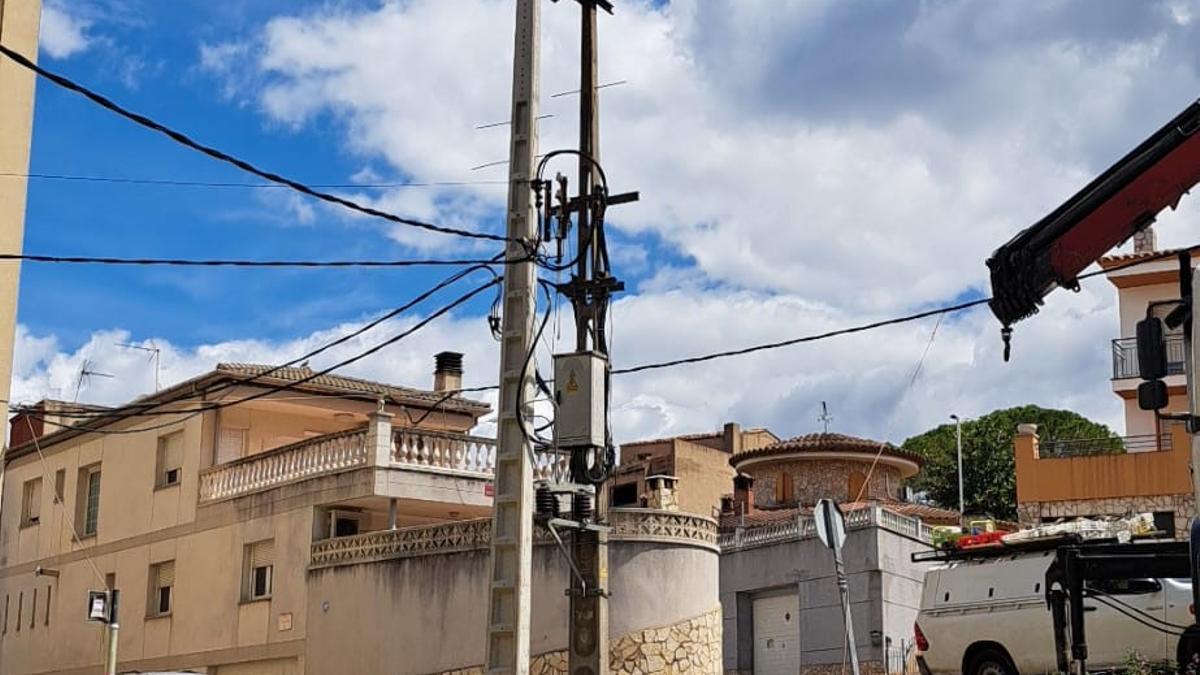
(173, 458)
(231, 444)
(166, 574)
(262, 554)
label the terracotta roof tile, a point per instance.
(350, 385)
(827, 442)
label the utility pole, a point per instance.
(962, 505)
(19, 21)
(512, 513)
(114, 631)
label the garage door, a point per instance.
(776, 635)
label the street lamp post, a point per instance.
(962, 511)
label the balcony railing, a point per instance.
(1112, 445)
(285, 464)
(1124, 355)
(804, 527)
(633, 525)
(416, 450)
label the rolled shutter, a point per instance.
(166, 574)
(262, 554)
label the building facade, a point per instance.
(1148, 469)
(313, 524)
(781, 606)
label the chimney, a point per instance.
(1144, 241)
(448, 371)
(743, 494)
(733, 438)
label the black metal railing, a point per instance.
(1124, 355)
(1112, 445)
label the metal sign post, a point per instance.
(831, 528)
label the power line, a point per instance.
(169, 182)
(222, 156)
(191, 262)
(148, 409)
(274, 389)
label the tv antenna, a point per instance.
(85, 375)
(155, 356)
(825, 418)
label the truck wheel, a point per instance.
(1189, 652)
(990, 662)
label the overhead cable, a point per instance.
(222, 156)
(170, 182)
(192, 262)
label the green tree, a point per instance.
(989, 476)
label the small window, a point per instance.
(785, 489)
(31, 502)
(60, 485)
(259, 570)
(4, 630)
(170, 459)
(162, 584)
(625, 495)
(46, 619)
(20, 609)
(345, 527)
(89, 500)
(33, 610)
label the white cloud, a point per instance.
(62, 34)
(814, 166)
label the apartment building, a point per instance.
(1147, 469)
(204, 519)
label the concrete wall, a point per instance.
(885, 593)
(426, 614)
(1102, 476)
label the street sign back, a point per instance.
(831, 525)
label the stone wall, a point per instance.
(691, 646)
(817, 479)
(1183, 505)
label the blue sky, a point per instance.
(804, 166)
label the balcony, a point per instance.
(427, 452)
(1124, 356)
(1112, 445)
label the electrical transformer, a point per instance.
(579, 386)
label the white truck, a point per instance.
(989, 616)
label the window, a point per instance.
(344, 523)
(88, 511)
(856, 486)
(33, 610)
(46, 620)
(231, 444)
(784, 488)
(259, 569)
(4, 630)
(625, 495)
(162, 582)
(20, 609)
(31, 502)
(170, 459)
(60, 484)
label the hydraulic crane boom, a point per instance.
(1117, 204)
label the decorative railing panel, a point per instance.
(439, 451)
(633, 525)
(1124, 356)
(804, 527)
(285, 464)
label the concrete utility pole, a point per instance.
(19, 22)
(512, 513)
(1190, 290)
(114, 632)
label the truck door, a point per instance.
(1112, 634)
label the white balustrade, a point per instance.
(459, 453)
(285, 464)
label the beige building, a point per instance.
(330, 525)
(697, 463)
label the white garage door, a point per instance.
(776, 635)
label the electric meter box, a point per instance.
(579, 380)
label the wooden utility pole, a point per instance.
(19, 22)
(512, 513)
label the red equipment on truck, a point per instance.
(1112, 208)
